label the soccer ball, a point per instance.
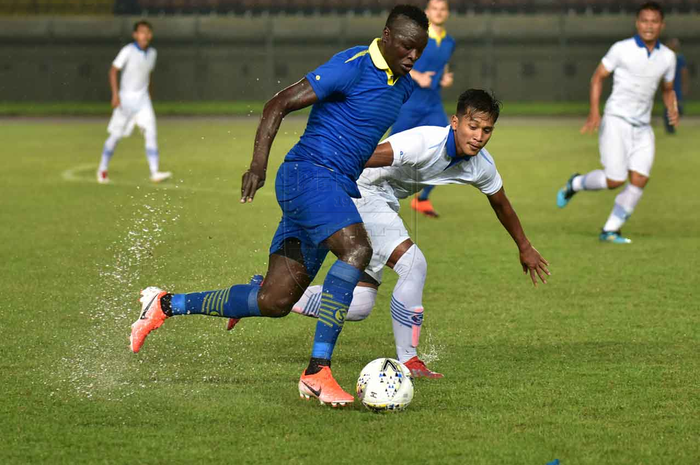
(385, 384)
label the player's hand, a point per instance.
(535, 264)
(250, 184)
(424, 80)
(592, 124)
(447, 80)
(673, 117)
(115, 101)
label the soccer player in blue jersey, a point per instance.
(431, 73)
(356, 97)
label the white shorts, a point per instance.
(126, 116)
(625, 147)
(385, 228)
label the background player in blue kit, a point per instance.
(356, 97)
(431, 73)
(681, 84)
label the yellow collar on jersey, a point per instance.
(380, 62)
(434, 35)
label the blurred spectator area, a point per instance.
(312, 7)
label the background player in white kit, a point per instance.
(626, 139)
(402, 165)
(131, 101)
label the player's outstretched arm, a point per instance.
(593, 120)
(671, 103)
(530, 258)
(383, 156)
(295, 97)
(114, 85)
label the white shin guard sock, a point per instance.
(625, 202)
(593, 181)
(108, 151)
(363, 299)
(407, 302)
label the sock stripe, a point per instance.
(620, 212)
(400, 313)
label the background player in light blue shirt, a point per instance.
(356, 97)
(431, 73)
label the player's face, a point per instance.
(143, 36)
(402, 46)
(472, 132)
(437, 12)
(649, 25)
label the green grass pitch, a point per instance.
(601, 365)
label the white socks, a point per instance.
(625, 202)
(593, 181)
(108, 151)
(406, 302)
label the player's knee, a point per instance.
(359, 255)
(363, 299)
(612, 184)
(275, 305)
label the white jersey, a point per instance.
(636, 77)
(426, 156)
(135, 66)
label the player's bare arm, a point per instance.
(383, 156)
(114, 85)
(448, 78)
(422, 79)
(295, 97)
(530, 258)
(671, 103)
(593, 121)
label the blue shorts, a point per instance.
(314, 206)
(429, 115)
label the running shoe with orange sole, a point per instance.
(419, 370)
(423, 206)
(323, 387)
(152, 317)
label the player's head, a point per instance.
(404, 38)
(143, 33)
(437, 11)
(650, 21)
(474, 120)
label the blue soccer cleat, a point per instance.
(566, 193)
(614, 237)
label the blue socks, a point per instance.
(239, 301)
(337, 294)
(425, 192)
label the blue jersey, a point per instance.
(678, 82)
(359, 98)
(435, 57)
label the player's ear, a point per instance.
(386, 35)
(454, 122)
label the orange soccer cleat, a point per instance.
(423, 206)
(419, 370)
(323, 387)
(152, 317)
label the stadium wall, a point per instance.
(542, 57)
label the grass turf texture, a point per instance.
(598, 366)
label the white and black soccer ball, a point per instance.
(385, 384)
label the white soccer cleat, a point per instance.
(160, 176)
(102, 177)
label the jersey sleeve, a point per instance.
(611, 60)
(489, 181)
(121, 58)
(337, 75)
(408, 147)
(670, 73)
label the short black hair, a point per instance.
(143, 22)
(411, 12)
(478, 101)
(653, 6)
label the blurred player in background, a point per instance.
(626, 138)
(681, 84)
(131, 101)
(431, 73)
(424, 156)
(356, 97)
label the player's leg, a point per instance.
(146, 120)
(115, 128)
(363, 299)
(640, 162)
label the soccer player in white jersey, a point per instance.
(626, 140)
(131, 101)
(402, 165)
